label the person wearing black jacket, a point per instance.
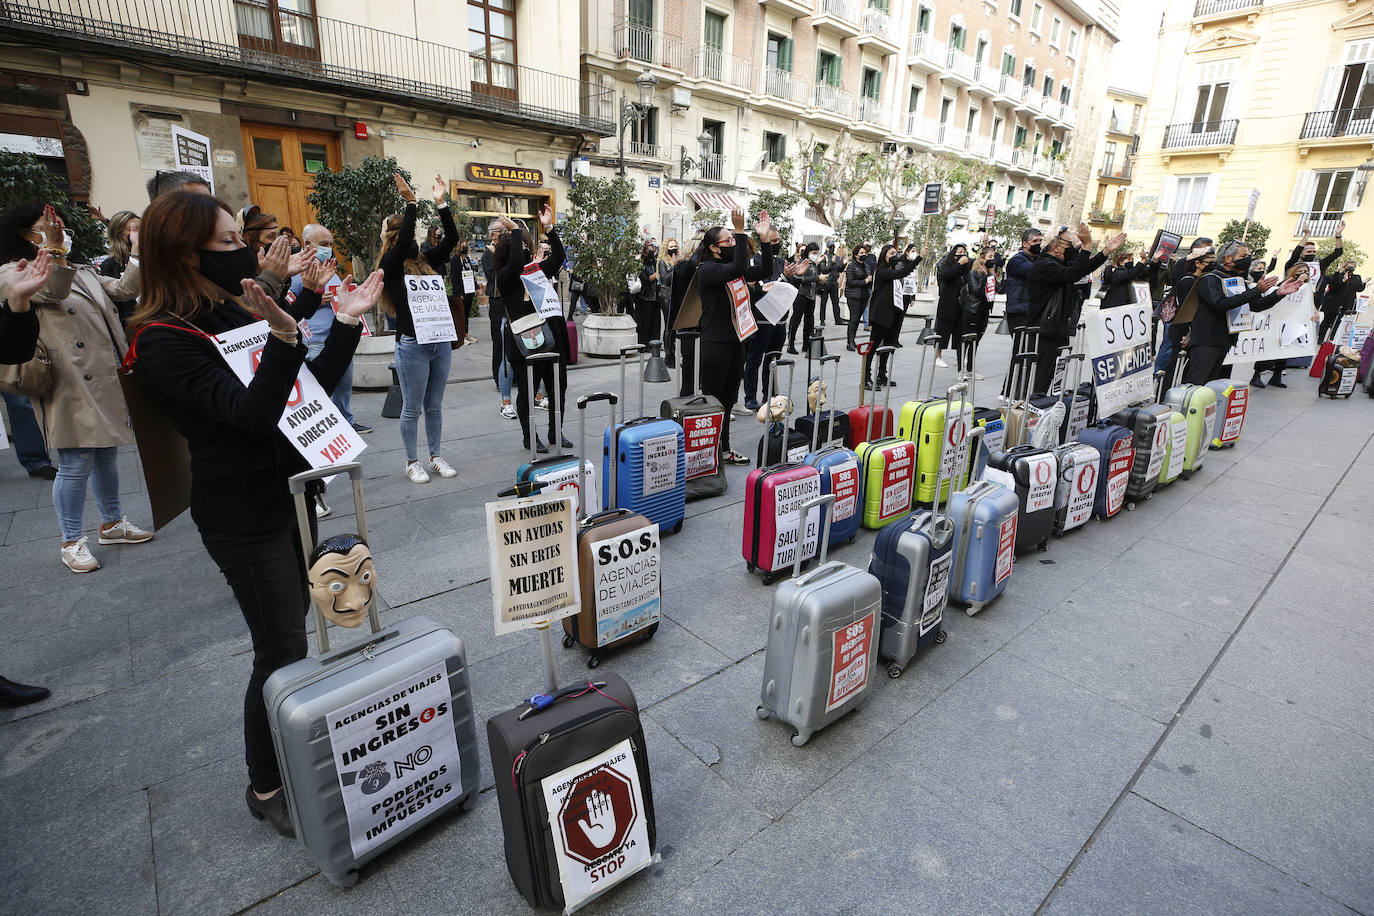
(422, 368)
(1118, 276)
(831, 268)
(883, 309)
(806, 278)
(197, 282)
(683, 273)
(951, 274)
(1341, 289)
(647, 321)
(858, 281)
(1167, 359)
(976, 304)
(1218, 291)
(725, 258)
(1017, 273)
(514, 252)
(1054, 273)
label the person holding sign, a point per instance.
(197, 282)
(1221, 289)
(413, 292)
(951, 275)
(528, 331)
(724, 263)
(1339, 299)
(1121, 274)
(883, 309)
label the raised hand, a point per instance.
(439, 189)
(764, 224)
(52, 228)
(546, 217)
(407, 193)
(133, 241)
(302, 259)
(357, 301)
(277, 259)
(1085, 235)
(737, 220)
(1287, 288)
(1114, 243)
(28, 278)
(264, 306)
(318, 272)
(1340, 228)
(1267, 283)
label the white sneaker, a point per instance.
(978, 376)
(541, 403)
(939, 361)
(78, 557)
(441, 466)
(416, 473)
(508, 411)
(124, 532)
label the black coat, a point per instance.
(1210, 325)
(855, 277)
(513, 296)
(952, 276)
(882, 311)
(1018, 273)
(1048, 275)
(717, 325)
(1341, 292)
(1116, 284)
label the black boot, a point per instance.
(1256, 381)
(13, 694)
(273, 810)
(1276, 379)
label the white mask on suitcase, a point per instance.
(342, 579)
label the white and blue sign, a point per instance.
(628, 584)
(1117, 342)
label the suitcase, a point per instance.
(702, 419)
(1079, 465)
(1323, 354)
(990, 419)
(822, 641)
(1150, 424)
(1026, 409)
(912, 560)
(923, 421)
(572, 340)
(377, 739)
(1031, 473)
(984, 518)
(1198, 405)
(1078, 403)
(582, 746)
(650, 458)
(832, 422)
(1116, 445)
(599, 629)
(1233, 398)
(778, 444)
(1366, 357)
(771, 521)
(839, 470)
(558, 471)
(860, 418)
(888, 466)
(1339, 378)
(1175, 448)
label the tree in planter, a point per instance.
(24, 177)
(1256, 235)
(352, 202)
(705, 219)
(602, 231)
(827, 178)
(871, 224)
(778, 205)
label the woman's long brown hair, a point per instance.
(175, 228)
(391, 231)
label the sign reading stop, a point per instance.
(597, 814)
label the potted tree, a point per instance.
(351, 203)
(602, 234)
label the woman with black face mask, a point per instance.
(197, 282)
(952, 273)
(82, 414)
(886, 305)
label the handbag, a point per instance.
(532, 335)
(162, 451)
(32, 378)
(635, 284)
(459, 312)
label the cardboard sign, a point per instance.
(469, 283)
(541, 291)
(428, 302)
(930, 200)
(1119, 473)
(896, 483)
(787, 521)
(596, 814)
(1006, 550)
(844, 483)
(1141, 289)
(396, 756)
(660, 464)
(1178, 445)
(1042, 471)
(777, 302)
(1235, 415)
(191, 153)
(1077, 489)
(1118, 349)
(533, 548)
(331, 296)
(937, 592)
(740, 313)
(1347, 383)
(1061, 369)
(628, 584)
(702, 438)
(988, 217)
(1078, 417)
(569, 481)
(849, 664)
(311, 422)
(1157, 449)
(1285, 331)
(1239, 319)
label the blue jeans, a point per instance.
(74, 467)
(29, 447)
(343, 392)
(423, 372)
(1166, 351)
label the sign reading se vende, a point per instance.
(504, 174)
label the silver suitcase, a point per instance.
(822, 640)
(374, 740)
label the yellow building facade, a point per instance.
(1257, 97)
(1118, 137)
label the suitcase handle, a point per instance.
(583, 494)
(553, 405)
(971, 344)
(960, 388)
(791, 365)
(887, 389)
(820, 402)
(296, 484)
(824, 500)
(864, 348)
(638, 351)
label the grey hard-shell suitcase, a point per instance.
(822, 640)
(1149, 424)
(984, 516)
(912, 559)
(374, 740)
(1073, 498)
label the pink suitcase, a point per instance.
(773, 497)
(572, 340)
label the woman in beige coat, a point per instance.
(83, 415)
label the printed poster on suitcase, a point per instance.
(533, 555)
(1081, 483)
(628, 587)
(397, 757)
(1235, 415)
(1006, 550)
(1178, 448)
(1119, 473)
(702, 437)
(844, 483)
(1041, 471)
(954, 449)
(895, 492)
(787, 521)
(660, 464)
(599, 826)
(937, 588)
(849, 662)
(1157, 449)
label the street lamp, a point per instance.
(1362, 178)
(634, 112)
(705, 145)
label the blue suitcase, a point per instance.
(651, 456)
(1116, 445)
(559, 472)
(984, 517)
(839, 469)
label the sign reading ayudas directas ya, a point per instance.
(533, 547)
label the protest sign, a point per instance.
(626, 573)
(1117, 342)
(659, 472)
(787, 521)
(429, 309)
(1285, 331)
(191, 153)
(849, 660)
(533, 551)
(702, 437)
(740, 312)
(777, 302)
(542, 293)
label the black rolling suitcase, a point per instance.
(779, 444)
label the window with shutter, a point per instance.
(1302, 191)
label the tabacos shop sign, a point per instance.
(504, 174)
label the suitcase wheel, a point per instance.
(761, 712)
(593, 661)
(750, 566)
(567, 642)
(678, 526)
(894, 671)
(772, 577)
(468, 803)
(800, 738)
(344, 879)
(1130, 507)
(939, 636)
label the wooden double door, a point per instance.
(282, 163)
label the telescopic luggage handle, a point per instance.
(820, 404)
(638, 350)
(960, 388)
(583, 494)
(791, 365)
(824, 499)
(529, 399)
(296, 484)
(864, 349)
(695, 338)
(887, 390)
(971, 344)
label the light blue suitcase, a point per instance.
(664, 473)
(984, 516)
(838, 465)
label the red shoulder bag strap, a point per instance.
(131, 356)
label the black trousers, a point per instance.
(648, 321)
(1204, 364)
(267, 575)
(1017, 320)
(722, 370)
(496, 312)
(1046, 358)
(972, 324)
(545, 374)
(689, 346)
(803, 314)
(831, 295)
(856, 303)
(881, 337)
(758, 363)
(1273, 366)
(1330, 318)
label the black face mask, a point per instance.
(228, 269)
(1036, 249)
(1242, 266)
(1309, 257)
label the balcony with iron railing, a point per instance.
(711, 166)
(833, 100)
(870, 112)
(919, 128)
(879, 30)
(783, 85)
(1205, 8)
(635, 44)
(1320, 224)
(840, 16)
(1182, 223)
(1117, 126)
(645, 150)
(925, 53)
(958, 68)
(714, 64)
(1194, 134)
(1115, 171)
(1106, 217)
(241, 39)
(1338, 122)
(985, 79)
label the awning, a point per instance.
(709, 200)
(806, 227)
(671, 198)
